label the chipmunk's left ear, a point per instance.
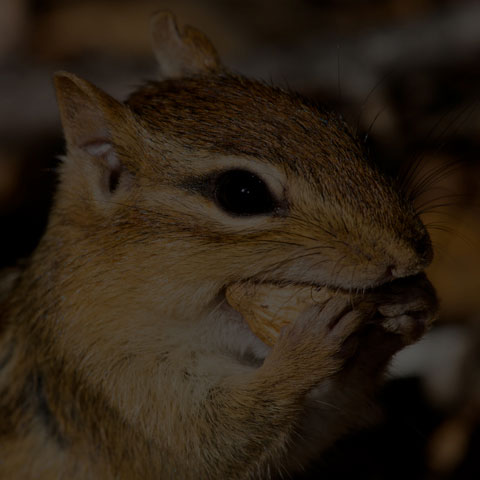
(92, 123)
(181, 53)
(88, 114)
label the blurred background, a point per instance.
(404, 73)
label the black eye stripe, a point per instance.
(242, 193)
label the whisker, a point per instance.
(433, 177)
(405, 178)
(451, 231)
(430, 204)
(310, 225)
(369, 130)
(265, 273)
(339, 260)
(367, 98)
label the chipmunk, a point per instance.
(119, 356)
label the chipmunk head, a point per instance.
(207, 178)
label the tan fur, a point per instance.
(119, 357)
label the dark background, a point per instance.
(405, 73)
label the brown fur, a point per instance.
(119, 357)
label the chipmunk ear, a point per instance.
(88, 114)
(181, 53)
(90, 119)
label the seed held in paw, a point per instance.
(267, 308)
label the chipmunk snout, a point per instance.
(420, 257)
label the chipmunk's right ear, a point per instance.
(181, 53)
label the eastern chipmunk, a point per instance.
(119, 357)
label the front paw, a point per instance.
(407, 307)
(317, 344)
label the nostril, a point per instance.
(391, 271)
(405, 271)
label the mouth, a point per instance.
(293, 283)
(334, 288)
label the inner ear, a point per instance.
(104, 153)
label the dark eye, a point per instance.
(239, 192)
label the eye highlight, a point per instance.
(242, 193)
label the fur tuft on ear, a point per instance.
(181, 53)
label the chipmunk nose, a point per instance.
(409, 268)
(413, 257)
(418, 258)
(400, 272)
